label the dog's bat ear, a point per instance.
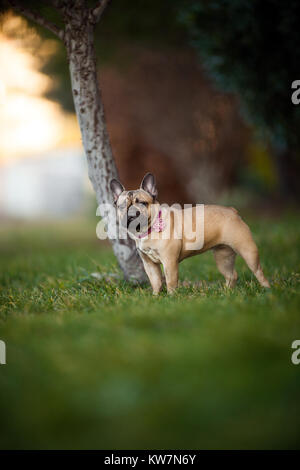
(117, 188)
(149, 185)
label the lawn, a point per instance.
(101, 364)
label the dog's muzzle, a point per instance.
(136, 220)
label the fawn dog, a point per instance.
(167, 236)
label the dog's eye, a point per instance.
(144, 203)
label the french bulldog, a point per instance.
(167, 235)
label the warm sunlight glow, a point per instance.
(29, 123)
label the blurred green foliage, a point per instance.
(252, 48)
(100, 364)
(261, 166)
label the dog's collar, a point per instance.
(158, 226)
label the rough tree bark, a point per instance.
(78, 37)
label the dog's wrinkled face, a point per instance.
(135, 208)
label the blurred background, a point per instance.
(199, 93)
(208, 119)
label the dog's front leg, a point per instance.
(171, 273)
(153, 271)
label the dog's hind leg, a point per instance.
(251, 256)
(245, 246)
(225, 259)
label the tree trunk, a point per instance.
(79, 40)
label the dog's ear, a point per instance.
(117, 188)
(149, 185)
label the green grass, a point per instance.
(101, 364)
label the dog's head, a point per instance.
(135, 208)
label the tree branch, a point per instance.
(37, 18)
(97, 11)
